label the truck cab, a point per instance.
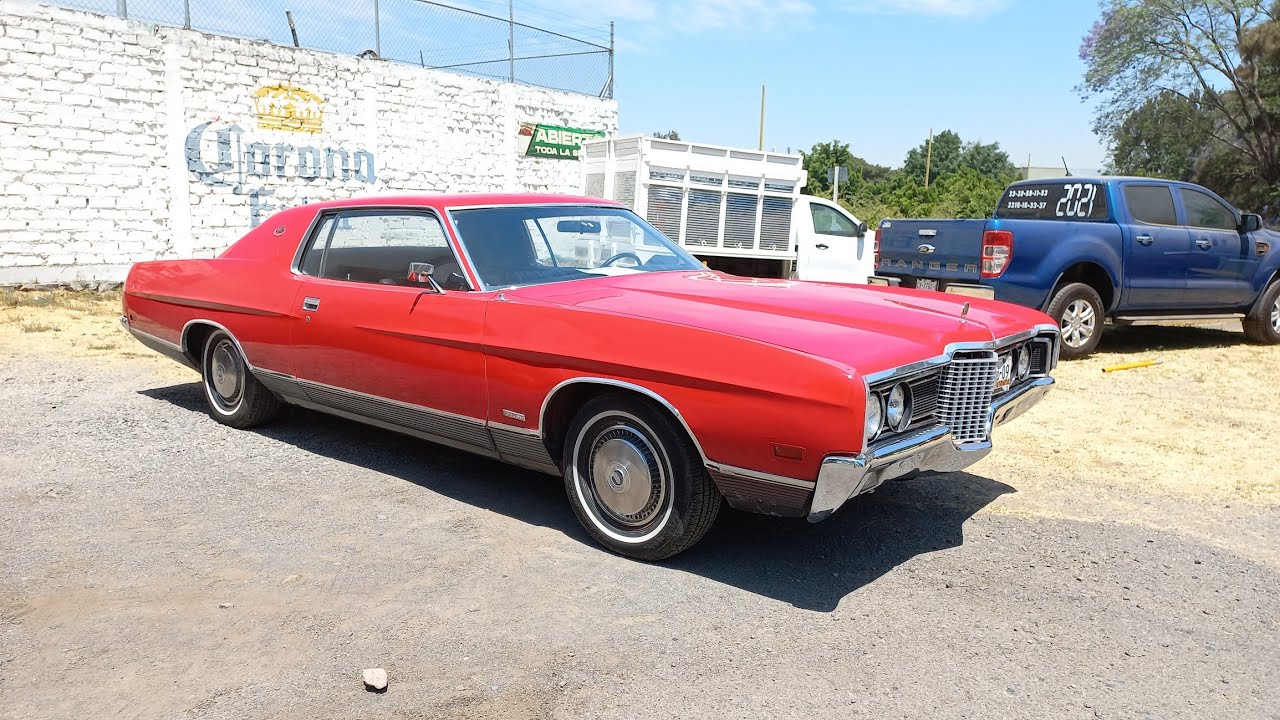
(1087, 250)
(738, 211)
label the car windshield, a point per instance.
(532, 245)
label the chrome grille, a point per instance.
(924, 399)
(964, 396)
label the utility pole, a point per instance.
(928, 160)
(761, 146)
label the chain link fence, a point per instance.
(482, 41)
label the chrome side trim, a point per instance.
(845, 476)
(761, 476)
(164, 347)
(438, 439)
(513, 429)
(429, 421)
(546, 401)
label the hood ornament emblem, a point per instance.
(964, 312)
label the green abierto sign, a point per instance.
(553, 141)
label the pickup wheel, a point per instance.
(635, 479)
(1077, 308)
(235, 396)
(1263, 323)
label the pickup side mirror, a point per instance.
(1250, 223)
(862, 228)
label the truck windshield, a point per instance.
(532, 245)
(1054, 201)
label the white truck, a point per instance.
(739, 211)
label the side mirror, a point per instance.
(423, 274)
(1250, 222)
(862, 228)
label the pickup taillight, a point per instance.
(876, 246)
(997, 251)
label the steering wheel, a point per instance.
(621, 255)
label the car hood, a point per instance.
(867, 328)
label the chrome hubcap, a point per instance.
(626, 478)
(1078, 323)
(1275, 316)
(226, 375)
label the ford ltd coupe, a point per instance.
(568, 336)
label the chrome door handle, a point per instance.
(311, 304)
(822, 246)
(1203, 244)
(1145, 239)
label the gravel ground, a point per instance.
(156, 564)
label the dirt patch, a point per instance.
(76, 324)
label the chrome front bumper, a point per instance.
(844, 476)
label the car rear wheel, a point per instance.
(1263, 323)
(235, 396)
(635, 479)
(1078, 310)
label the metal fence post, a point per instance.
(122, 8)
(377, 29)
(511, 41)
(610, 60)
(186, 14)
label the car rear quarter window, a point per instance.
(1205, 212)
(1151, 204)
(377, 247)
(1054, 201)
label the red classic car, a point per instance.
(567, 335)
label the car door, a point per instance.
(1222, 261)
(370, 341)
(1156, 249)
(830, 245)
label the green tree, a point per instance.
(824, 156)
(668, 135)
(951, 154)
(1164, 137)
(945, 158)
(1218, 55)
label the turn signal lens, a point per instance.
(1262, 247)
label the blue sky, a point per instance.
(876, 74)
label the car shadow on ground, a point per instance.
(1155, 338)
(809, 566)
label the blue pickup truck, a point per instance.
(1087, 250)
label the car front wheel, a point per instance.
(235, 396)
(635, 479)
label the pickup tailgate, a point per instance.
(935, 250)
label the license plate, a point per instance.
(1006, 374)
(926, 284)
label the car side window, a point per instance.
(378, 247)
(826, 221)
(1151, 204)
(1205, 212)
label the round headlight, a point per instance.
(875, 417)
(1024, 362)
(897, 411)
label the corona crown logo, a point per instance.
(289, 108)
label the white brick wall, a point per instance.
(102, 162)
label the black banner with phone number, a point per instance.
(1054, 201)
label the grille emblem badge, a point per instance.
(926, 249)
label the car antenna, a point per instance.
(1064, 165)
